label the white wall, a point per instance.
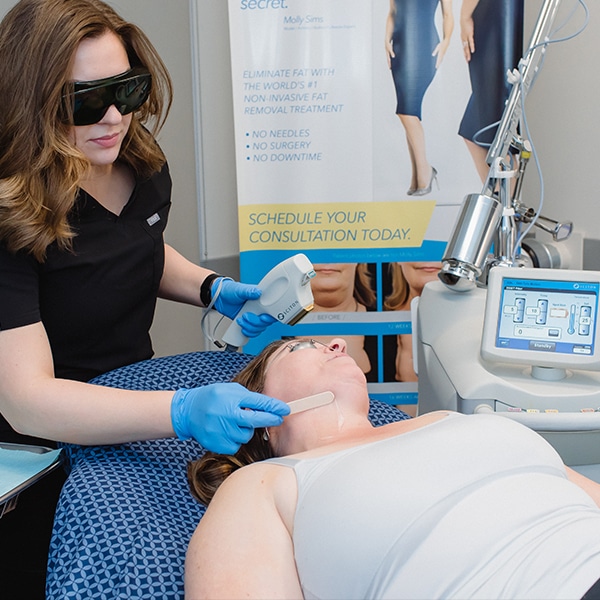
(218, 186)
(563, 113)
(562, 110)
(167, 23)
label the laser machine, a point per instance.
(495, 334)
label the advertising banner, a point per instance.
(351, 147)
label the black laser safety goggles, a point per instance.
(127, 92)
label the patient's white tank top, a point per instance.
(471, 506)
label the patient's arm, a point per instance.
(242, 548)
(586, 484)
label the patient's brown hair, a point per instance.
(207, 473)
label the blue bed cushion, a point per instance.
(125, 514)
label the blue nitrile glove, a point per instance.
(253, 324)
(214, 415)
(232, 295)
(230, 299)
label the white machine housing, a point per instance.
(454, 376)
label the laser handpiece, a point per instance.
(286, 296)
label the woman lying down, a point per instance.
(441, 506)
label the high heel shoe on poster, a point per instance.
(427, 190)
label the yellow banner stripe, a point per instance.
(334, 225)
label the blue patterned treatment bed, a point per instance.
(125, 514)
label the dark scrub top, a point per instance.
(96, 302)
(97, 305)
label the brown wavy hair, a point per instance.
(40, 167)
(207, 473)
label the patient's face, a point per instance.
(301, 369)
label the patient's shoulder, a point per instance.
(265, 473)
(255, 486)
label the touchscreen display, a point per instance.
(548, 316)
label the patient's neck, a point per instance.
(322, 427)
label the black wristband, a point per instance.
(205, 293)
